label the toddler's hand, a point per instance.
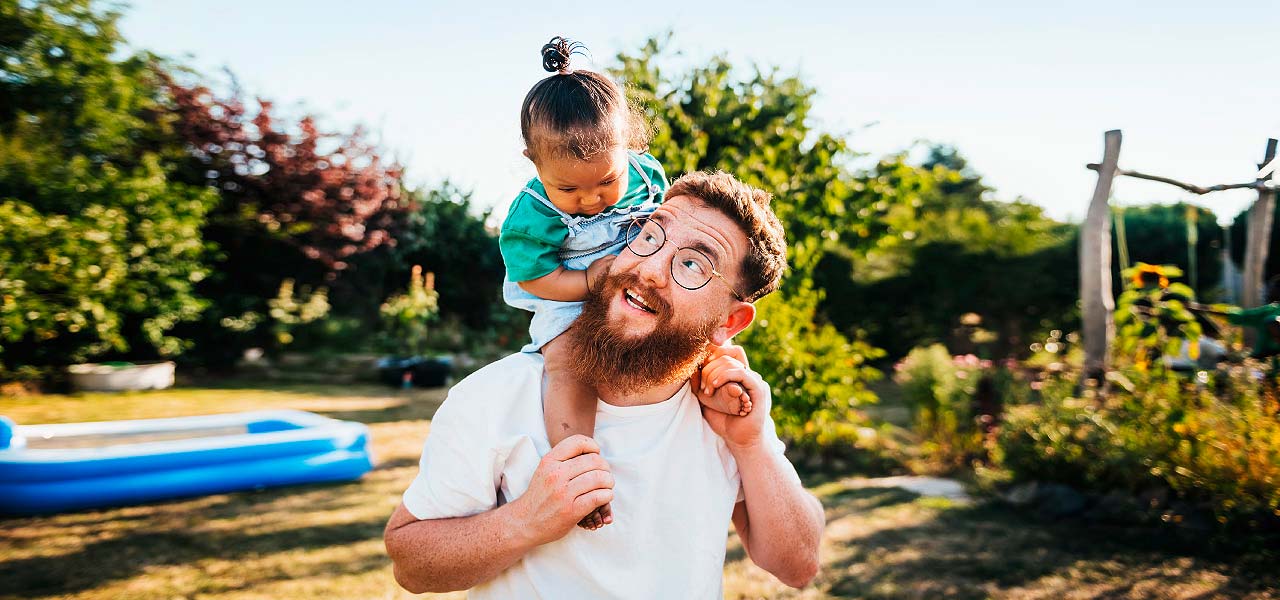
(597, 270)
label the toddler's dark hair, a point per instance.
(577, 113)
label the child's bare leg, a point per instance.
(568, 409)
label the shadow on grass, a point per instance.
(843, 503)
(859, 500)
(986, 550)
(135, 552)
(396, 463)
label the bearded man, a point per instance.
(495, 509)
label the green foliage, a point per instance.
(940, 391)
(100, 249)
(931, 239)
(1152, 318)
(286, 312)
(757, 128)
(1157, 234)
(289, 310)
(1214, 444)
(447, 236)
(818, 376)
(405, 316)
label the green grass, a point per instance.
(325, 541)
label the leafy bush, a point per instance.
(405, 316)
(817, 375)
(100, 249)
(940, 391)
(1219, 450)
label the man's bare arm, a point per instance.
(440, 555)
(780, 523)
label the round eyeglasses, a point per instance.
(690, 268)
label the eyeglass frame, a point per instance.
(639, 221)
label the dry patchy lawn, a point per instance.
(325, 541)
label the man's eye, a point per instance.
(649, 238)
(567, 189)
(693, 266)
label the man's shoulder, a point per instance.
(505, 374)
(493, 392)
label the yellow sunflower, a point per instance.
(1141, 271)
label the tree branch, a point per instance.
(1195, 189)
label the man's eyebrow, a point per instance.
(706, 248)
(699, 245)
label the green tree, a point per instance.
(1157, 234)
(447, 236)
(757, 127)
(933, 247)
(99, 249)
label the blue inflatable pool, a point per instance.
(55, 468)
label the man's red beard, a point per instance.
(605, 356)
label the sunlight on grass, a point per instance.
(325, 541)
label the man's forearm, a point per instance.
(783, 521)
(441, 555)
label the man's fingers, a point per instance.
(712, 374)
(583, 463)
(737, 352)
(584, 504)
(591, 480)
(744, 377)
(728, 374)
(572, 446)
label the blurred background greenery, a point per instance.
(924, 324)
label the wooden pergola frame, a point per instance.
(1096, 302)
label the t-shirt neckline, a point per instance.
(644, 410)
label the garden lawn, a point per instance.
(325, 541)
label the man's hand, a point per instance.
(570, 482)
(728, 366)
(597, 270)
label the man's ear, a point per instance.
(741, 315)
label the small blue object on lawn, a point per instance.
(73, 466)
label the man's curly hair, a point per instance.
(766, 257)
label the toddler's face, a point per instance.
(584, 187)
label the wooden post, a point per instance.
(1096, 302)
(1258, 239)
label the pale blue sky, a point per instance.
(1024, 89)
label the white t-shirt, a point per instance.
(675, 485)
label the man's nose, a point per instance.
(653, 269)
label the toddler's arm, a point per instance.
(568, 285)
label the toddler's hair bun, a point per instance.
(557, 52)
